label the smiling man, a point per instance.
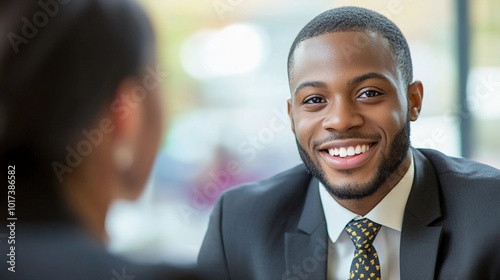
(364, 205)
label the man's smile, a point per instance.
(349, 151)
(347, 154)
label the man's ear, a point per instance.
(415, 98)
(290, 114)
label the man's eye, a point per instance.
(314, 100)
(369, 93)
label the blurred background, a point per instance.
(226, 93)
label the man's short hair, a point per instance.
(345, 19)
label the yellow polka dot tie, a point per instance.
(365, 264)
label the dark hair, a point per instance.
(358, 19)
(58, 73)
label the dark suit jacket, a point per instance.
(275, 229)
(60, 252)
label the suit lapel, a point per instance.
(306, 251)
(419, 239)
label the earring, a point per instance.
(123, 157)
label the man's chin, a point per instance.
(352, 187)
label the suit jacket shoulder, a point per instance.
(274, 183)
(256, 231)
(279, 192)
(461, 168)
(447, 224)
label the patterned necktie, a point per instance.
(365, 264)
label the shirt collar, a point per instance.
(388, 212)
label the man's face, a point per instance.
(349, 112)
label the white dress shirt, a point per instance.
(388, 212)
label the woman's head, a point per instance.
(79, 97)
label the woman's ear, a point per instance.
(128, 116)
(137, 115)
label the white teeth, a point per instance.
(343, 152)
(333, 152)
(349, 151)
(358, 150)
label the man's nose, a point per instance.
(342, 115)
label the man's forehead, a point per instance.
(344, 41)
(343, 49)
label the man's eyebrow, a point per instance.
(315, 84)
(370, 75)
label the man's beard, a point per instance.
(388, 165)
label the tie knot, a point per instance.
(362, 232)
